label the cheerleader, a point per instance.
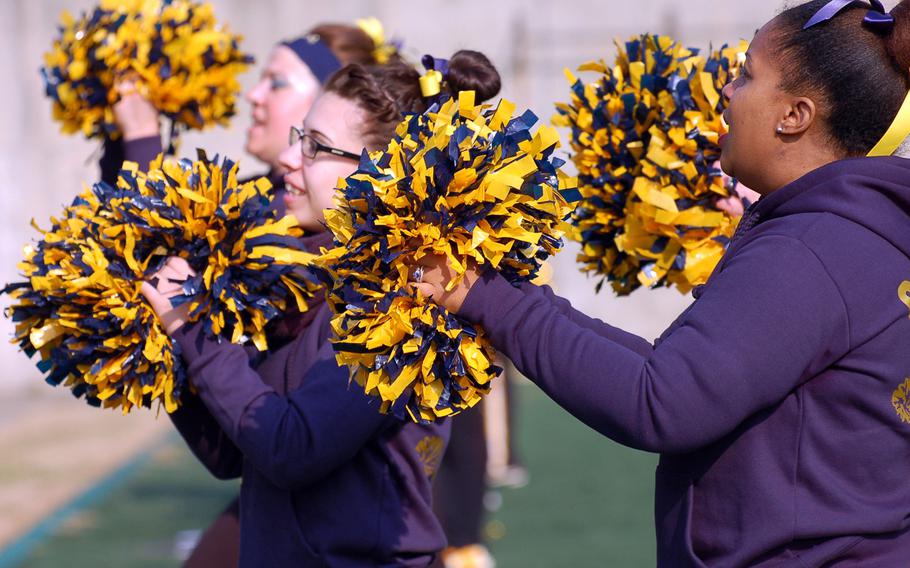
(780, 400)
(327, 478)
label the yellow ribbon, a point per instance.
(382, 51)
(896, 134)
(431, 83)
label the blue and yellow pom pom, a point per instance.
(181, 59)
(644, 137)
(471, 183)
(80, 308)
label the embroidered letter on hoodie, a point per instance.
(900, 399)
(904, 293)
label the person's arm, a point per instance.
(206, 439)
(770, 320)
(140, 136)
(142, 150)
(292, 440)
(111, 160)
(624, 338)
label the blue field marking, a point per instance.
(19, 550)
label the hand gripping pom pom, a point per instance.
(182, 60)
(80, 308)
(644, 138)
(471, 183)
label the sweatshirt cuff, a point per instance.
(191, 340)
(490, 301)
(142, 150)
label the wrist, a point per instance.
(141, 131)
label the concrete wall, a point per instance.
(531, 41)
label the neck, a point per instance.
(794, 162)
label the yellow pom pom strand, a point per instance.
(469, 182)
(644, 137)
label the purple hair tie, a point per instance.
(431, 82)
(876, 17)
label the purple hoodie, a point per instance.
(770, 397)
(327, 479)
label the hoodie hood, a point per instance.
(872, 192)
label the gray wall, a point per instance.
(531, 41)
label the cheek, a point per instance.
(321, 179)
(287, 108)
(321, 195)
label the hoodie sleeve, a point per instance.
(292, 440)
(206, 439)
(624, 338)
(140, 150)
(770, 320)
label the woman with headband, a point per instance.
(288, 85)
(780, 400)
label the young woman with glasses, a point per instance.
(288, 84)
(327, 479)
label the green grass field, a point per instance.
(589, 504)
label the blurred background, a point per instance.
(85, 487)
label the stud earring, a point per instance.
(780, 129)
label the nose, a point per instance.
(291, 158)
(256, 94)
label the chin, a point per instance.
(725, 164)
(305, 220)
(250, 148)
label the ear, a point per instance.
(800, 115)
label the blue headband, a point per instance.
(316, 55)
(876, 17)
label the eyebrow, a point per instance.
(317, 134)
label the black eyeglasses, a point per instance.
(309, 147)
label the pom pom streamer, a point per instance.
(181, 59)
(80, 308)
(644, 137)
(468, 182)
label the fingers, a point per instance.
(732, 205)
(171, 318)
(180, 266)
(160, 303)
(125, 87)
(170, 279)
(426, 289)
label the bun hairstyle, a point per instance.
(858, 75)
(387, 92)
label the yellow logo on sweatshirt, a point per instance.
(430, 450)
(901, 400)
(904, 293)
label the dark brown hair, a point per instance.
(350, 44)
(388, 92)
(858, 75)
